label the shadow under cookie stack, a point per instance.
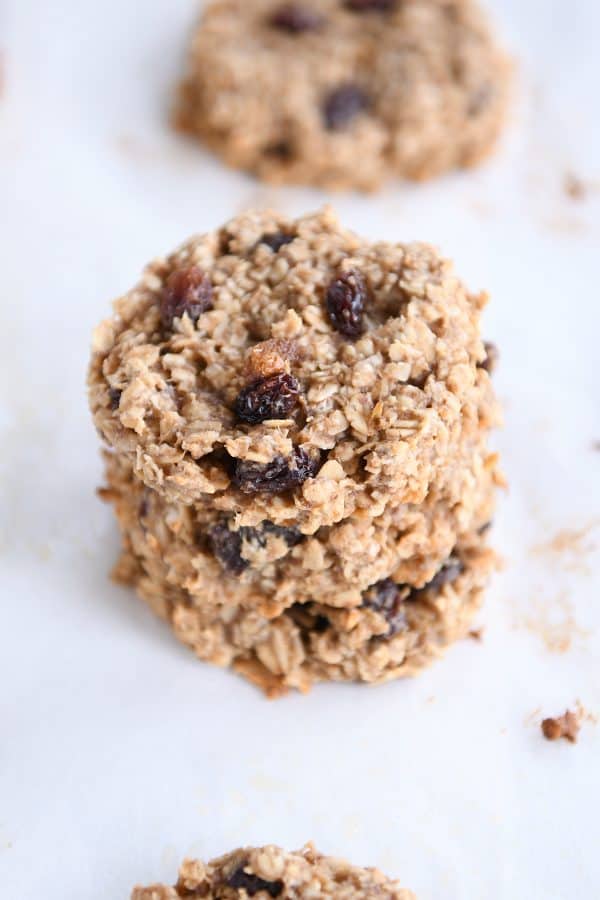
(297, 422)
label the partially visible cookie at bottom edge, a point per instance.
(269, 871)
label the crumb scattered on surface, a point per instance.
(533, 717)
(553, 621)
(570, 546)
(574, 187)
(476, 634)
(566, 726)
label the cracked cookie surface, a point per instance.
(298, 92)
(265, 872)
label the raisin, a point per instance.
(259, 535)
(182, 891)
(276, 240)
(273, 397)
(275, 477)
(342, 105)
(280, 150)
(346, 299)
(321, 624)
(479, 100)
(296, 18)
(370, 5)
(307, 620)
(385, 597)
(114, 395)
(227, 547)
(448, 573)
(252, 884)
(188, 290)
(290, 535)
(144, 507)
(491, 357)
(269, 357)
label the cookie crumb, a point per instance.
(566, 726)
(574, 187)
(476, 634)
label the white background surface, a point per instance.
(119, 752)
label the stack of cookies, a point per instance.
(297, 422)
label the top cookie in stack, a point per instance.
(345, 93)
(297, 415)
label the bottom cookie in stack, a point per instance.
(271, 872)
(393, 630)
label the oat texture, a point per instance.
(344, 93)
(271, 872)
(298, 422)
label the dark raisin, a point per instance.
(259, 535)
(281, 150)
(342, 105)
(182, 891)
(252, 884)
(290, 535)
(386, 598)
(275, 477)
(321, 624)
(144, 507)
(448, 573)
(227, 547)
(346, 299)
(188, 290)
(296, 18)
(491, 357)
(114, 395)
(370, 5)
(276, 240)
(273, 397)
(479, 100)
(307, 620)
(484, 528)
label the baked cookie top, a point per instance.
(290, 371)
(269, 872)
(344, 93)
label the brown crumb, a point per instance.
(574, 187)
(570, 547)
(476, 634)
(565, 726)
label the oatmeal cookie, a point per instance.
(392, 629)
(289, 371)
(265, 872)
(344, 93)
(271, 567)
